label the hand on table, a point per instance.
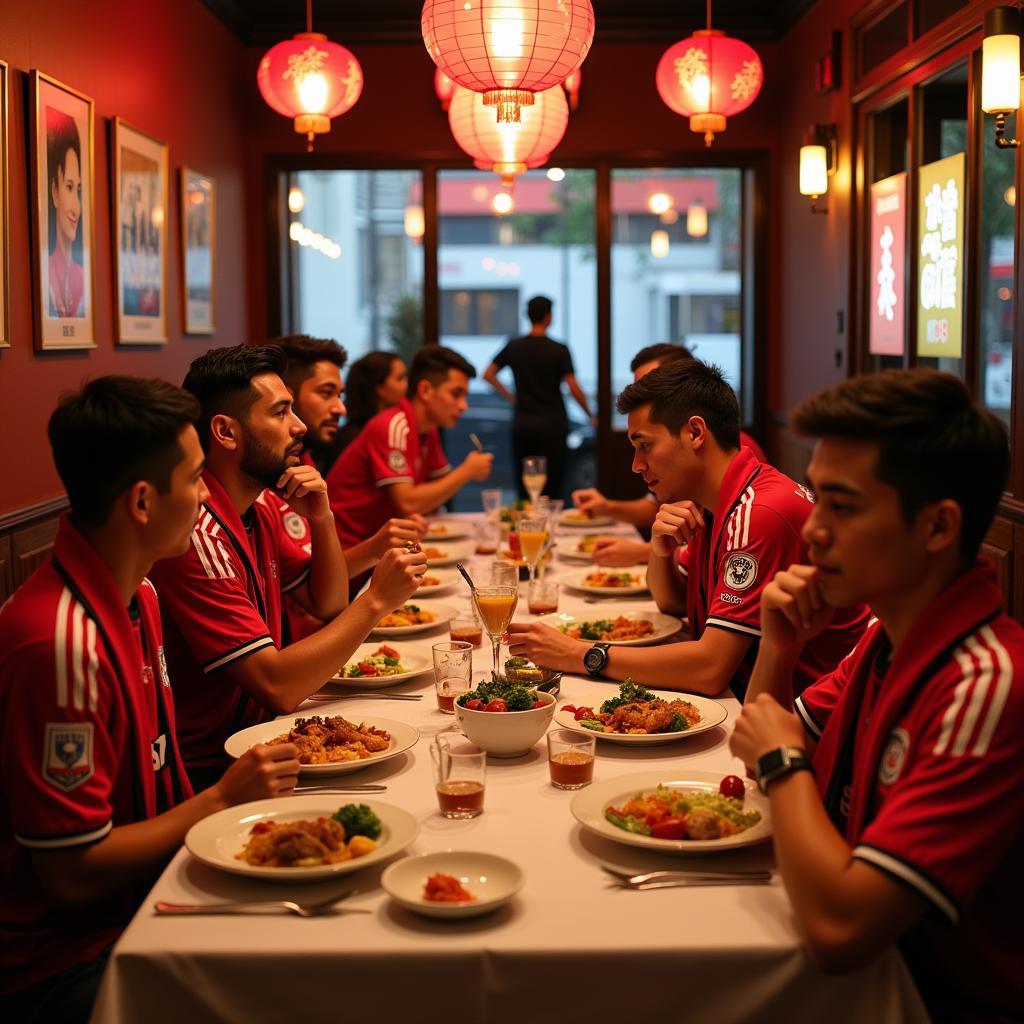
(546, 647)
(674, 525)
(620, 551)
(260, 773)
(764, 725)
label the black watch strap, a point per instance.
(779, 762)
(595, 659)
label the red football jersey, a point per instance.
(739, 551)
(389, 450)
(221, 601)
(86, 744)
(931, 794)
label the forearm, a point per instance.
(687, 666)
(361, 557)
(666, 584)
(638, 512)
(773, 674)
(328, 573)
(581, 399)
(424, 497)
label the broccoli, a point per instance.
(516, 663)
(517, 697)
(679, 724)
(595, 630)
(358, 820)
(628, 693)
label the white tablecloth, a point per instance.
(566, 949)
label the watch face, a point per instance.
(594, 659)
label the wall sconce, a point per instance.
(413, 223)
(817, 162)
(696, 219)
(659, 244)
(1000, 69)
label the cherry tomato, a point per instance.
(670, 828)
(537, 704)
(732, 785)
(583, 713)
(367, 668)
(474, 704)
(571, 708)
(388, 652)
(496, 705)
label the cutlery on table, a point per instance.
(325, 697)
(668, 879)
(317, 909)
(369, 787)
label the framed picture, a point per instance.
(139, 205)
(5, 247)
(61, 159)
(198, 249)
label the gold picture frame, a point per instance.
(198, 251)
(5, 237)
(139, 214)
(62, 174)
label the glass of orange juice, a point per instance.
(533, 540)
(496, 605)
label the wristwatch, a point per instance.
(781, 761)
(596, 658)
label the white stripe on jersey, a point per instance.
(398, 431)
(78, 840)
(249, 648)
(1002, 691)
(898, 868)
(77, 660)
(198, 545)
(212, 556)
(979, 691)
(737, 529)
(93, 664)
(60, 648)
(225, 559)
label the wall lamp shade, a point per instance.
(311, 80)
(660, 245)
(413, 222)
(708, 78)
(508, 147)
(696, 219)
(1000, 68)
(508, 50)
(813, 170)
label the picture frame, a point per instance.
(198, 251)
(62, 173)
(139, 193)
(5, 245)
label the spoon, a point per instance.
(465, 575)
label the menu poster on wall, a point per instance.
(941, 258)
(887, 315)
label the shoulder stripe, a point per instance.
(60, 647)
(225, 559)
(239, 652)
(203, 560)
(93, 664)
(737, 529)
(81, 839)
(77, 659)
(1004, 680)
(398, 430)
(983, 657)
(906, 873)
(967, 673)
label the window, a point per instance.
(885, 38)
(478, 311)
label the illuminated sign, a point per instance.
(887, 314)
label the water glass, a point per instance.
(460, 775)
(488, 537)
(491, 498)
(453, 669)
(542, 597)
(571, 758)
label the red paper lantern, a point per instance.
(509, 50)
(311, 80)
(708, 78)
(444, 88)
(508, 148)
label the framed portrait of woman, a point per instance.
(198, 250)
(5, 248)
(63, 212)
(139, 205)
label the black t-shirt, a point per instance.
(539, 365)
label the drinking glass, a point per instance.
(491, 498)
(460, 773)
(533, 540)
(570, 758)
(453, 669)
(488, 537)
(542, 597)
(497, 573)
(466, 627)
(535, 476)
(496, 605)
(551, 507)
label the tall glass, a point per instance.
(491, 497)
(496, 605)
(533, 540)
(535, 476)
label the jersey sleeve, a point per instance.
(435, 461)
(758, 543)
(292, 558)
(683, 560)
(55, 740)
(567, 367)
(204, 591)
(816, 704)
(387, 452)
(501, 359)
(953, 812)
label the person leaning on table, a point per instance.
(895, 783)
(728, 522)
(221, 599)
(95, 797)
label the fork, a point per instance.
(370, 787)
(370, 696)
(662, 879)
(317, 909)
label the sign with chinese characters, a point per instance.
(940, 274)
(887, 315)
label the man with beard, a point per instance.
(221, 600)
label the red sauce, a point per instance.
(446, 889)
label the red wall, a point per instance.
(171, 69)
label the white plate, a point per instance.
(415, 661)
(711, 714)
(664, 625)
(578, 521)
(442, 613)
(451, 553)
(589, 804)
(215, 840)
(448, 578)
(445, 529)
(402, 738)
(493, 880)
(575, 577)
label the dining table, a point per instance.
(570, 946)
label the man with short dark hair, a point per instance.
(94, 797)
(726, 524)
(911, 832)
(222, 598)
(397, 466)
(540, 366)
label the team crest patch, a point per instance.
(396, 461)
(67, 757)
(294, 526)
(894, 756)
(740, 571)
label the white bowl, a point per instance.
(491, 879)
(507, 733)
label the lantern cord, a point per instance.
(709, 14)
(309, 15)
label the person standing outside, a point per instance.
(540, 367)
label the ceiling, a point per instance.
(384, 21)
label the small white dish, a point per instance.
(493, 880)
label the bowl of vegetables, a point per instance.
(504, 718)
